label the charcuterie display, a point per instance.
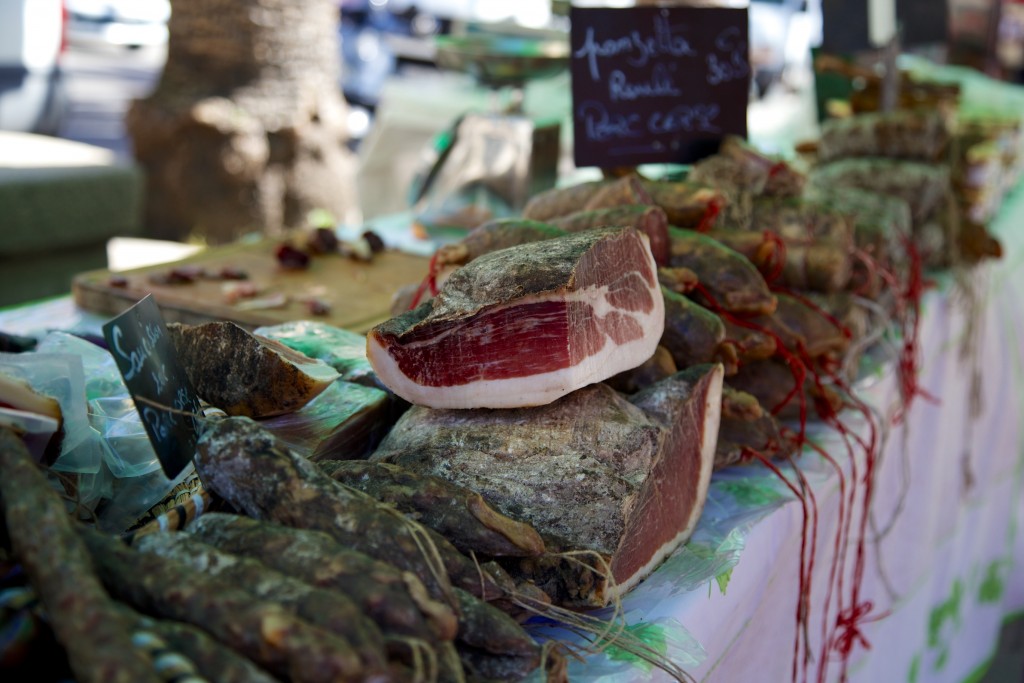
(531, 434)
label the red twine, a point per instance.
(777, 168)
(909, 352)
(429, 281)
(853, 613)
(848, 623)
(805, 575)
(707, 221)
(778, 261)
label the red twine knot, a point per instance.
(429, 282)
(777, 168)
(849, 623)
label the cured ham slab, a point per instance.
(593, 471)
(525, 326)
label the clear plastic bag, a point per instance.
(343, 350)
(35, 430)
(102, 378)
(117, 476)
(126, 448)
(61, 377)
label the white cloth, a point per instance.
(948, 569)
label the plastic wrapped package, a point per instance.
(35, 430)
(343, 350)
(127, 450)
(61, 377)
(102, 378)
(115, 473)
(345, 422)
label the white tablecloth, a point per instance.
(944, 557)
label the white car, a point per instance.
(32, 95)
(127, 23)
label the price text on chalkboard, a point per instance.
(148, 361)
(657, 84)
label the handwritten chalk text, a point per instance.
(638, 48)
(660, 84)
(601, 125)
(138, 356)
(733, 64)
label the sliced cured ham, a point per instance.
(623, 479)
(525, 326)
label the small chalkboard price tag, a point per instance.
(148, 361)
(657, 84)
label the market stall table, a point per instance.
(942, 556)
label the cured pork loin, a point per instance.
(560, 201)
(650, 220)
(593, 471)
(527, 325)
(500, 233)
(243, 374)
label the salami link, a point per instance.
(625, 191)
(397, 601)
(500, 233)
(98, 639)
(687, 205)
(262, 631)
(327, 609)
(214, 661)
(693, 334)
(249, 467)
(457, 513)
(650, 220)
(488, 629)
(725, 275)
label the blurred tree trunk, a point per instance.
(246, 129)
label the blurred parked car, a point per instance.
(379, 37)
(128, 23)
(32, 95)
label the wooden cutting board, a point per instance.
(359, 294)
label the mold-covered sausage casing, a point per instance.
(96, 637)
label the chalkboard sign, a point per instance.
(148, 361)
(657, 84)
(923, 22)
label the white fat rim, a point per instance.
(515, 392)
(539, 389)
